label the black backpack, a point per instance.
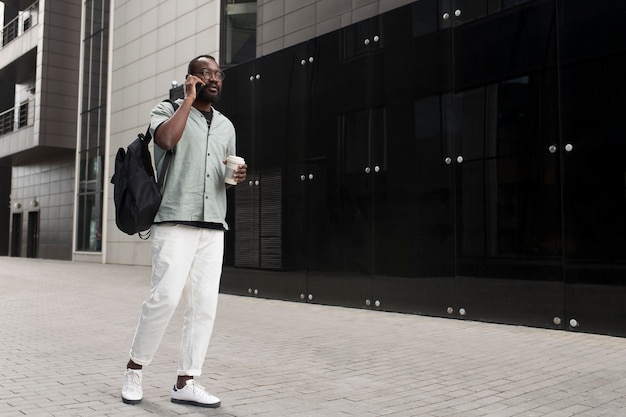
(136, 194)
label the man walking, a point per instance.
(188, 232)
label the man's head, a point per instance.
(208, 70)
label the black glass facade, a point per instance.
(451, 158)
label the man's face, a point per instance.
(208, 71)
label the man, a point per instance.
(188, 232)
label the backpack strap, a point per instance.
(172, 102)
(168, 154)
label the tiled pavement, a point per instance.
(65, 330)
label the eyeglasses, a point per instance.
(218, 75)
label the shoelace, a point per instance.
(133, 381)
(199, 390)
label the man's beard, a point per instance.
(208, 97)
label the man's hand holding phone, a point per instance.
(193, 85)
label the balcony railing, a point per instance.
(16, 118)
(25, 20)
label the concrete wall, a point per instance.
(57, 75)
(153, 42)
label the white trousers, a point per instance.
(186, 262)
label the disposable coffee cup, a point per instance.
(232, 163)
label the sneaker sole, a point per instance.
(131, 402)
(214, 405)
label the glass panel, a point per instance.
(296, 197)
(23, 117)
(239, 31)
(465, 11)
(469, 130)
(361, 37)
(94, 128)
(97, 18)
(16, 234)
(95, 167)
(354, 148)
(511, 3)
(592, 45)
(505, 45)
(86, 79)
(433, 191)
(509, 203)
(84, 132)
(595, 174)
(353, 216)
(95, 71)
(93, 120)
(324, 250)
(7, 121)
(104, 63)
(378, 139)
(89, 231)
(502, 116)
(425, 17)
(88, 7)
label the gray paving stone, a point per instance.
(66, 329)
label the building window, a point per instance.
(23, 119)
(92, 125)
(238, 43)
(7, 121)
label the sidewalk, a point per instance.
(65, 331)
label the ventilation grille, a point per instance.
(258, 221)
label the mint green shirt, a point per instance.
(194, 187)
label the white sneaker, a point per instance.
(131, 390)
(194, 394)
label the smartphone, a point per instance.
(198, 88)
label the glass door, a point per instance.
(502, 121)
(268, 102)
(16, 234)
(430, 189)
(409, 228)
(32, 244)
(337, 149)
(301, 176)
(592, 66)
(240, 88)
(264, 243)
(241, 241)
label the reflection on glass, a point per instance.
(508, 199)
(89, 230)
(93, 124)
(239, 33)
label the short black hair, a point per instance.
(196, 59)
